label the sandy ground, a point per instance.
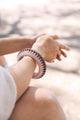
(62, 17)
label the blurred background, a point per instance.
(62, 17)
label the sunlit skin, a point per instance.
(22, 73)
(49, 48)
(11, 45)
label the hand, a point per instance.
(49, 48)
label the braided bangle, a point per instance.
(36, 56)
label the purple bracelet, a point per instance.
(37, 57)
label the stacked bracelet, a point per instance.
(37, 57)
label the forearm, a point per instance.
(22, 73)
(10, 45)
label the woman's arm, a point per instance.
(10, 45)
(22, 73)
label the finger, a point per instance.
(49, 61)
(52, 60)
(59, 56)
(55, 37)
(63, 53)
(64, 47)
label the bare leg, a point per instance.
(2, 61)
(37, 104)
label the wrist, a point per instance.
(37, 57)
(39, 50)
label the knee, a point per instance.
(41, 97)
(48, 105)
(45, 103)
(44, 97)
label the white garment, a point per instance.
(8, 94)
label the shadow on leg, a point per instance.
(37, 104)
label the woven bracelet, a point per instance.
(37, 57)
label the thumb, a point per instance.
(55, 37)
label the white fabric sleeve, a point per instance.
(8, 93)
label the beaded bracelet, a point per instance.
(37, 57)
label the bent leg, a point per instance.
(37, 104)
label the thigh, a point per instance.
(26, 107)
(37, 104)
